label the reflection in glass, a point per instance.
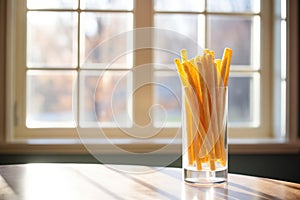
(206, 193)
(233, 6)
(104, 99)
(167, 99)
(51, 39)
(107, 4)
(102, 43)
(49, 99)
(233, 32)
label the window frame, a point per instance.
(264, 129)
(291, 139)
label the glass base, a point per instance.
(207, 178)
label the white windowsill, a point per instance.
(154, 146)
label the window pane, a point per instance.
(189, 36)
(283, 49)
(52, 4)
(283, 9)
(51, 39)
(283, 108)
(233, 5)
(179, 5)
(233, 32)
(105, 99)
(183, 24)
(107, 4)
(103, 44)
(49, 99)
(167, 99)
(243, 100)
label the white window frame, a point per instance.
(261, 67)
(266, 129)
(17, 112)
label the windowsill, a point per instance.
(154, 146)
(263, 146)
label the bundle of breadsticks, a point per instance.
(204, 80)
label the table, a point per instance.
(96, 181)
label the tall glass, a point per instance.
(204, 135)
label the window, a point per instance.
(65, 79)
(234, 24)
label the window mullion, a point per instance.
(142, 69)
(18, 68)
(3, 53)
(292, 71)
(266, 68)
(77, 89)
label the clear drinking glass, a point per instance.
(204, 133)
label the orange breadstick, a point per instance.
(182, 74)
(189, 122)
(183, 54)
(192, 81)
(203, 79)
(212, 81)
(225, 65)
(189, 130)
